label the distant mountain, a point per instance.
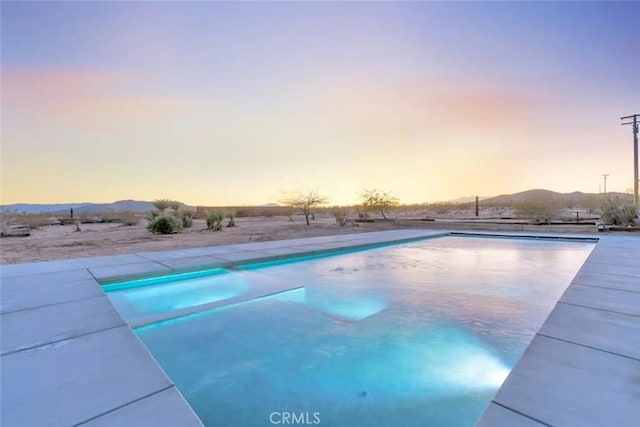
(575, 198)
(568, 199)
(32, 208)
(79, 208)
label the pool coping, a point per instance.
(38, 307)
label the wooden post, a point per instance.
(634, 124)
(635, 160)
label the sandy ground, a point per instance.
(63, 241)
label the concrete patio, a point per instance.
(68, 357)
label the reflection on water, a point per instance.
(416, 334)
(170, 296)
(352, 307)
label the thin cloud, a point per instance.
(91, 99)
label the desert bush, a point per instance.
(609, 213)
(175, 206)
(627, 215)
(151, 216)
(214, 220)
(231, 217)
(162, 205)
(187, 218)
(164, 225)
(246, 211)
(162, 222)
(613, 214)
(32, 220)
(341, 217)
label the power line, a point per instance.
(634, 124)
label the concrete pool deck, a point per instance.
(68, 357)
(582, 368)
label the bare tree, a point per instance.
(305, 200)
(377, 200)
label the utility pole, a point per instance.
(634, 124)
(605, 175)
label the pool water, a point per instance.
(417, 334)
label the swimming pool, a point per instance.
(420, 333)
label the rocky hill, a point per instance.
(79, 208)
(576, 198)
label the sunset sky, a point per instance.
(239, 103)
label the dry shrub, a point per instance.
(187, 218)
(231, 217)
(32, 220)
(165, 224)
(341, 217)
(214, 220)
(613, 214)
(245, 211)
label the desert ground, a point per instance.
(51, 242)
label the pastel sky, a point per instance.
(240, 103)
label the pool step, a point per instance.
(264, 286)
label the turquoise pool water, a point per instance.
(418, 334)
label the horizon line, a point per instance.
(265, 204)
